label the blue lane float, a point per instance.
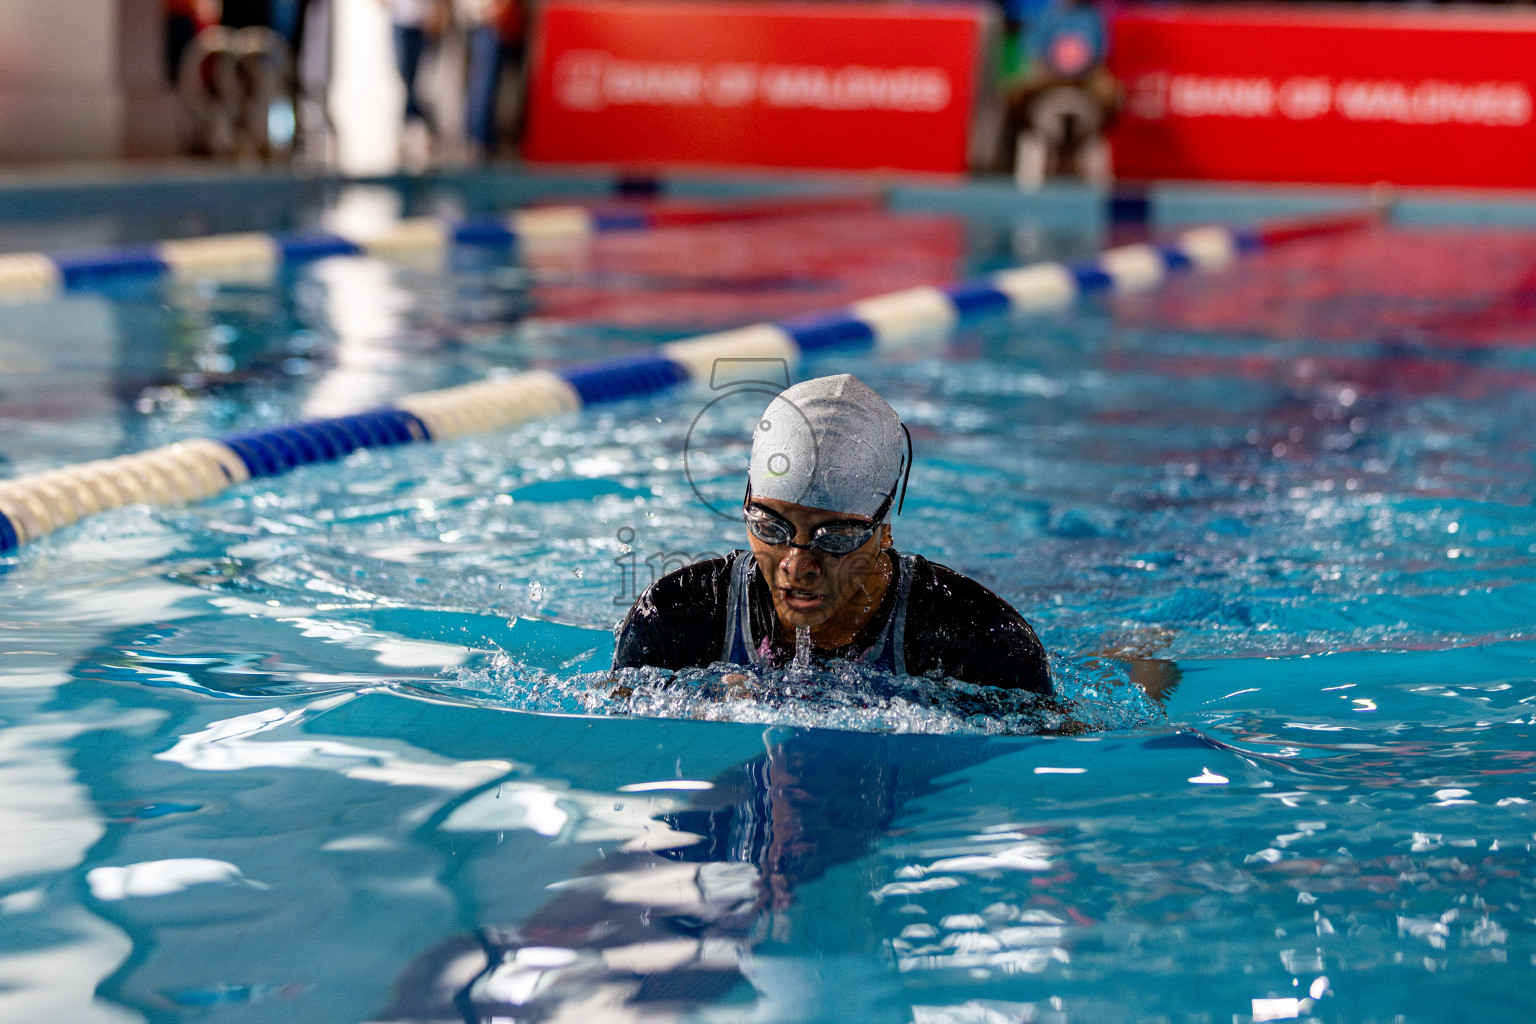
(297, 247)
(276, 450)
(33, 506)
(612, 381)
(82, 271)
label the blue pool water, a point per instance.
(339, 746)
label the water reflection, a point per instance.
(370, 857)
(676, 918)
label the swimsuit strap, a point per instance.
(738, 648)
(888, 652)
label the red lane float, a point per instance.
(855, 86)
(683, 213)
(1268, 93)
(1318, 227)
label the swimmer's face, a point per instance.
(831, 595)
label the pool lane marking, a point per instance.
(251, 255)
(33, 506)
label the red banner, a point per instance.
(1259, 93)
(829, 85)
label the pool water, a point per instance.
(340, 746)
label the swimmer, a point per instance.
(828, 458)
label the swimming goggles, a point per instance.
(837, 538)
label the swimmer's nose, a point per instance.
(800, 563)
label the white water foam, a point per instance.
(1092, 696)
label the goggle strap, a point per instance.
(906, 473)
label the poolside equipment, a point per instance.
(1058, 112)
(33, 506)
(33, 275)
(239, 84)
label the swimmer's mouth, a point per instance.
(802, 600)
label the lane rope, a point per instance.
(32, 276)
(38, 504)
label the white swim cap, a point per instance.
(828, 443)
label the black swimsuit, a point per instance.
(933, 621)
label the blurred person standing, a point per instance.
(497, 39)
(418, 24)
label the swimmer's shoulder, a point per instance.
(705, 583)
(970, 633)
(679, 620)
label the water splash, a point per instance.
(800, 668)
(1092, 696)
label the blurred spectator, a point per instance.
(305, 25)
(497, 34)
(1064, 98)
(417, 25)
